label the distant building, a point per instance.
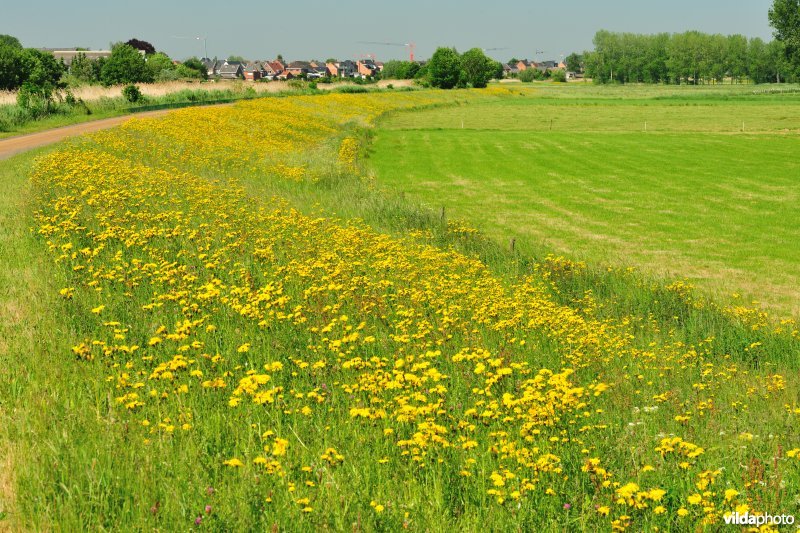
(273, 69)
(212, 66)
(342, 69)
(254, 71)
(298, 68)
(545, 66)
(231, 70)
(67, 55)
(510, 70)
(524, 64)
(367, 67)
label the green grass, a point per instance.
(690, 197)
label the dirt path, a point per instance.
(14, 145)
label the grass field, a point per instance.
(210, 325)
(576, 174)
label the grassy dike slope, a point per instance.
(238, 330)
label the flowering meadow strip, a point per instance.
(323, 358)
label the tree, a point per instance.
(82, 68)
(13, 63)
(574, 62)
(558, 75)
(144, 46)
(160, 66)
(41, 80)
(784, 16)
(10, 41)
(45, 70)
(194, 64)
(778, 64)
(399, 70)
(237, 59)
(736, 57)
(477, 68)
(528, 75)
(444, 68)
(126, 65)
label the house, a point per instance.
(342, 69)
(367, 67)
(254, 71)
(545, 66)
(524, 64)
(298, 68)
(510, 71)
(212, 66)
(319, 71)
(272, 69)
(231, 70)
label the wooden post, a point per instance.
(513, 243)
(442, 214)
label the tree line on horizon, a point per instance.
(697, 57)
(690, 57)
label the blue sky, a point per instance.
(316, 29)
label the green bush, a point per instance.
(126, 65)
(527, 75)
(132, 93)
(352, 89)
(559, 75)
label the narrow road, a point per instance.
(14, 145)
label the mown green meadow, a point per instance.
(573, 171)
(210, 326)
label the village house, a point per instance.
(367, 67)
(254, 71)
(524, 64)
(298, 68)
(231, 70)
(342, 69)
(546, 66)
(509, 70)
(273, 69)
(318, 70)
(212, 67)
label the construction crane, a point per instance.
(411, 47)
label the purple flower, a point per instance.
(198, 520)
(567, 506)
(208, 509)
(210, 490)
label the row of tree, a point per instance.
(132, 62)
(20, 65)
(447, 69)
(695, 57)
(690, 57)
